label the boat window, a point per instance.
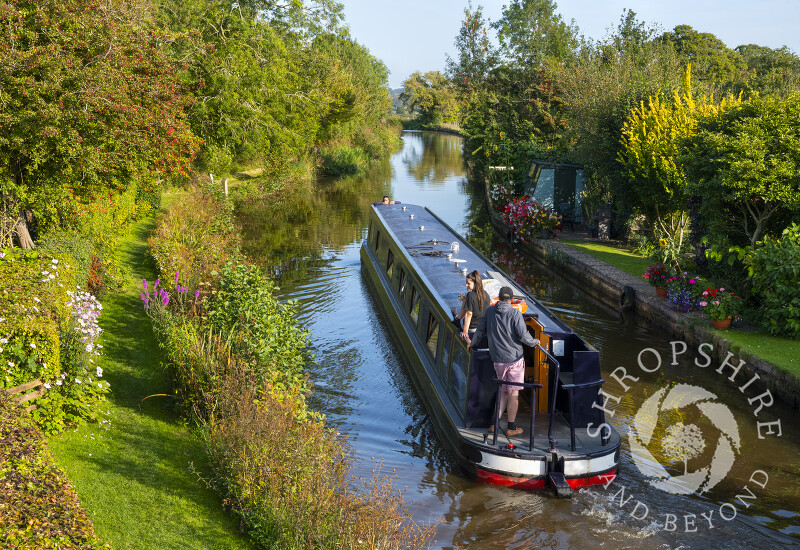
(458, 374)
(401, 288)
(390, 264)
(445, 363)
(432, 336)
(377, 240)
(414, 310)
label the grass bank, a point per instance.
(781, 352)
(617, 256)
(134, 471)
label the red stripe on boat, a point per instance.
(511, 481)
(602, 479)
(540, 482)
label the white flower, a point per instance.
(58, 382)
(55, 261)
(46, 386)
(99, 372)
(1, 350)
(37, 300)
(89, 348)
(3, 340)
(45, 273)
(77, 380)
(10, 364)
(32, 345)
(52, 276)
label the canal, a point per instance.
(311, 244)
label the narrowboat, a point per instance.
(415, 265)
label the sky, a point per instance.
(416, 35)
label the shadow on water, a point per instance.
(311, 243)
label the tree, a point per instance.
(651, 143)
(432, 95)
(91, 105)
(769, 71)
(748, 159)
(531, 31)
(711, 59)
(476, 54)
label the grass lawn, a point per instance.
(617, 256)
(781, 352)
(134, 474)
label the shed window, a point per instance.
(390, 264)
(401, 288)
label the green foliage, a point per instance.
(91, 106)
(769, 71)
(49, 332)
(775, 274)
(432, 96)
(340, 160)
(530, 31)
(262, 330)
(555, 257)
(745, 164)
(77, 246)
(476, 54)
(652, 138)
(195, 237)
(40, 507)
(711, 59)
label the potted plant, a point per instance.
(657, 276)
(682, 292)
(720, 305)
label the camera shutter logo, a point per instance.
(685, 440)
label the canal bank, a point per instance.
(626, 293)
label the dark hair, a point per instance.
(476, 278)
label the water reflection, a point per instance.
(312, 245)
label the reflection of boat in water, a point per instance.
(415, 264)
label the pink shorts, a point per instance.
(511, 372)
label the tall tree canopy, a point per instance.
(432, 95)
(90, 104)
(711, 59)
(531, 31)
(748, 159)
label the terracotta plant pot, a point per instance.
(661, 291)
(721, 324)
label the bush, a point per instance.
(341, 160)
(261, 330)
(38, 506)
(775, 273)
(50, 332)
(288, 478)
(195, 237)
(77, 246)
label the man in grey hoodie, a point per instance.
(506, 331)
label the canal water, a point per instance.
(311, 244)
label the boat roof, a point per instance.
(426, 240)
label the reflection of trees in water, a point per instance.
(287, 235)
(433, 157)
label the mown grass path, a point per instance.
(134, 472)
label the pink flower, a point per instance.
(692, 281)
(703, 304)
(721, 289)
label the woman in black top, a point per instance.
(475, 304)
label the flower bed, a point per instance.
(528, 219)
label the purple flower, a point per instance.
(196, 295)
(157, 281)
(692, 281)
(144, 284)
(176, 278)
(165, 299)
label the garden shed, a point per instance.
(558, 186)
